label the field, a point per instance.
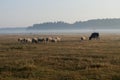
(70, 59)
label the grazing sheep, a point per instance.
(20, 40)
(82, 38)
(25, 40)
(58, 39)
(49, 39)
(54, 40)
(34, 40)
(28, 40)
(39, 40)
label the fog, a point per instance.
(67, 31)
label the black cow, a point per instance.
(94, 35)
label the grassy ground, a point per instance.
(70, 59)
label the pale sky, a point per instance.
(23, 13)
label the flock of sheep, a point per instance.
(39, 40)
(54, 39)
(45, 39)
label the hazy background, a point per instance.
(22, 13)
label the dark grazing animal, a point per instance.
(41, 40)
(94, 35)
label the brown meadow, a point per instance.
(70, 59)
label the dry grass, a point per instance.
(70, 59)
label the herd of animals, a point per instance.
(94, 35)
(39, 40)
